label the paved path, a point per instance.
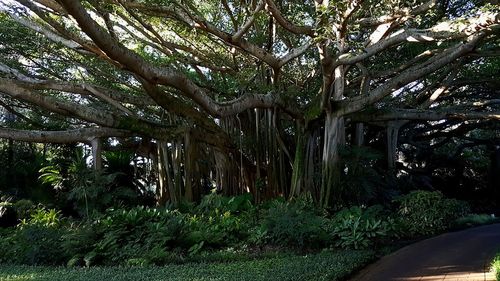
(457, 256)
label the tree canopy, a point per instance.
(259, 96)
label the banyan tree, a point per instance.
(255, 96)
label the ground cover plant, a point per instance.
(495, 265)
(326, 265)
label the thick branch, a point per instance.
(439, 32)
(423, 115)
(275, 12)
(294, 53)
(165, 76)
(15, 90)
(248, 23)
(100, 117)
(409, 75)
(406, 13)
(68, 136)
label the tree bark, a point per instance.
(392, 144)
(161, 188)
(334, 138)
(96, 153)
(297, 184)
(359, 134)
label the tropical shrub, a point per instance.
(131, 234)
(428, 212)
(215, 202)
(24, 208)
(137, 236)
(216, 229)
(496, 266)
(294, 225)
(88, 190)
(474, 220)
(360, 228)
(35, 241)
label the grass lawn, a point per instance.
(326, 265)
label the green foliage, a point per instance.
(90, 190)
(130, 234)
(426, 213)
(214, 202)
(52, 175)
(475, 220)
(18, 177)
(326, 265)
(220, 229)
(78, 242)
(36, 241)
(153, 236)
(293, 224)
(495, 265)
(24, 208)
(216, 229)
(220, 221)
(140, 235)
(360, 181)
(44, 218)
(359, 228)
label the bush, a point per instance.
(36, 241)
(426, 213)
(130, 234)
(216, 230)
(44, 217)
(495, 265)
(475, 220)
(138, 236)
(220, 221)
(24, 208)
(215, 202)
(290, 224)
(359, 228)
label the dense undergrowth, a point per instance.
(219, 229)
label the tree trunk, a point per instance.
(258, 157)
(333, 140)
(392, 144)
(359, 134)
(297, 184)
(166, 183)
(96, 153)
(161, 188)
(176, 167)
(188, 167)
